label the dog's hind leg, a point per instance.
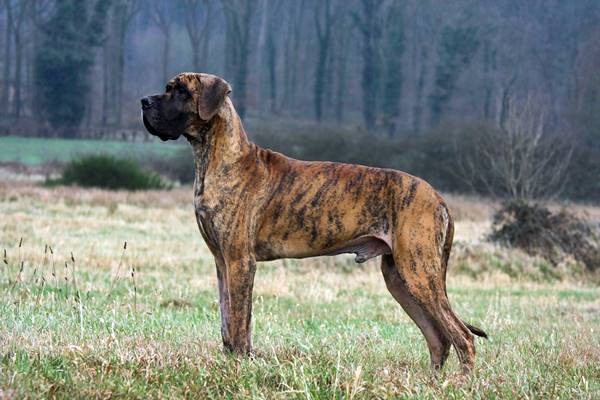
(438, 344)
(420, 255)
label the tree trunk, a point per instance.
(193, 30)
(31, 87)
(7, 53)
(165, 54)
(238, 15)
(206, 35)
(323, 28)
(105, 85)
(369, 26)
(420, 87)
(242, 71)
(271, 64)
(292, 50)
(162, 18)
(18, 68)
(319, 79)
(341, 67)
(18, 29)
(394, 50)
(488, 69)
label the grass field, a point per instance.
(74, 322)
(37, 151)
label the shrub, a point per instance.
(538, 231)
(179, 167)
(108, 172)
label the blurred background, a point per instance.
(431, 87)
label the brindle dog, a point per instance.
(253, 204)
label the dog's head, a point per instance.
(190, 102)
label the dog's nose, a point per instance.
(146, 102)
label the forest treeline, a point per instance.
(390, 68)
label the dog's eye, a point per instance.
(181, 90)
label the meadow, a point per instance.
(39, 151)
(113, 294)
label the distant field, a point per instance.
(37, 151)
(323, 327)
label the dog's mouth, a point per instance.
(153, 131)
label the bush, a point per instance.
(179, 167)
(108, 172)
(538, 231)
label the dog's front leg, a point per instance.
(223, 302)
(236, 280)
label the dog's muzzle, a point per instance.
(146, 103)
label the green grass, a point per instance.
(37, 151)
(323, 328)
(165, 342)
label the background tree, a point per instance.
(8, 12)
(324, 20)
(393, 53)
(121, 15)
(198, 21)
(295, 18)
(238, 16)
(162, 15)
(585, 119)
(343, 36)
(368, 21)
(19, 13)
(521, 160)
(65, 58)
(456, 50)
(421, 42)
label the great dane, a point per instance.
(254, 204)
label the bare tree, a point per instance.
(520, 160)
(17, 28)
(342, 40)
(7, 53)
(162, 18)
(113, 66)
(394, 38)
(198, 29)
(295, 19)
(324, 20)
(368, 22)
(272, 51)
(238, 15)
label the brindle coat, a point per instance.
(253, 204)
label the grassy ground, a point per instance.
(37, 151)
(75, 323)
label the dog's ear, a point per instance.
(211, 95)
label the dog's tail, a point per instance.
(476, 331)
(446, 255)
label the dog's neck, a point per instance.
(219, 144)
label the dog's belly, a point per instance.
(364, 247)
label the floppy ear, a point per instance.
(212, 95)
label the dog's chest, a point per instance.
(206, 223)
(210, 214)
